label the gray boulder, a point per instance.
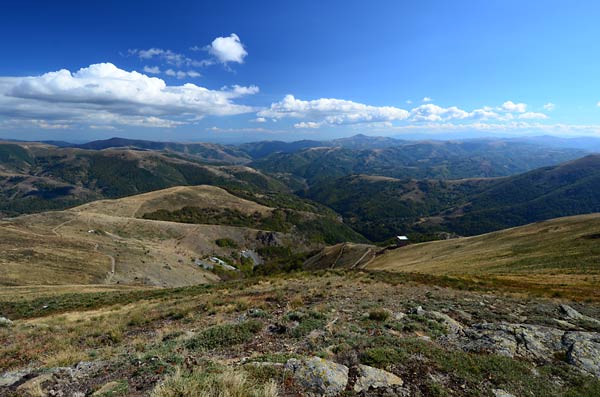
(583, 351)
(5, 323)
(318, 377)
(369, 377)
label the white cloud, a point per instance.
(328, 111)
(332, 111)
(152, 70)
(532, 116)
(427, 99)
(307, 124)
(259, 120)
(168, 56)
(180, 74)
(431, 112)
(228, 49)
(103, 94)
(408, 101)
(510, 106)
(549, 106)
(193, 74)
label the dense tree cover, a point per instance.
(421, 160)
(382, 207)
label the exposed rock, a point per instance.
(575, 315)
(525, 340)
(584, 351)
(533, 342)
(453, 326)
(4, 322)
(10, 378)
(501, 393)
(34, 387)
(318, 377)
(369, 377)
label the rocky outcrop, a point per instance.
(319, 377)
(374, 378)
(575, 315)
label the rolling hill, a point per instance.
(563, 252)
(146, 240)
(208, 152)
(418, 160)
(38, 177)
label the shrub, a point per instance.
(231, 383)
(379, 315)
(225, 335)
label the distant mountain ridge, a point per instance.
(382, 207)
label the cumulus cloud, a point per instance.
(307, 124)
(327, 111)
(331, 111)
(510, 106)
(152, 70)
(259, 120)
(549, 106)
(104, 94)
(228, 49)
(180, 74)
(431, 112)
(427, 99)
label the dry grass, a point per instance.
(229, 383)
(557, 253)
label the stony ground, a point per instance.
(323, 333)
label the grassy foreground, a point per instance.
(204, 339)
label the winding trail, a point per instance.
(113, 262)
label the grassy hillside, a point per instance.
(155, 238)
(561, 253)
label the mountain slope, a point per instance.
(36, 177)
(567, 189)
(382, 207)
(558, 251)
(208, 152)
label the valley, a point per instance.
(138, 268)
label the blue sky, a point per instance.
(240, 71)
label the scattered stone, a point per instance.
(417, 310)
(369, 377)
(501, 393)
(453, 326)
(399, 316)
(318, 377)
(5, 323)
